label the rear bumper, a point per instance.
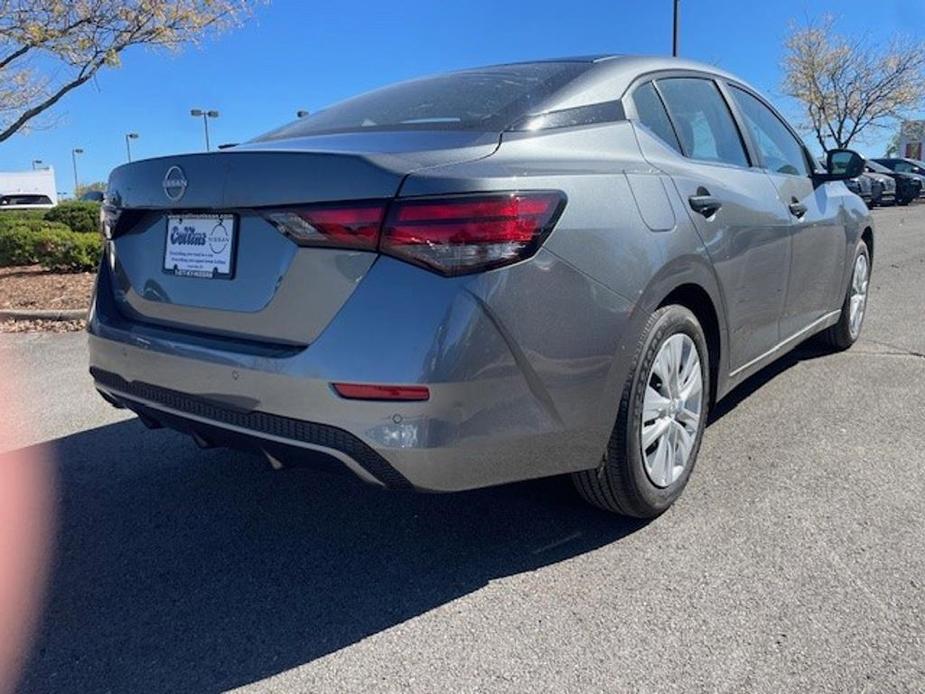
(277, 437)
(510, 399)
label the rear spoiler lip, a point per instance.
(244, 179)
(289, 173)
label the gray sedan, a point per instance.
(483, 276)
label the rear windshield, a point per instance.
(486, 99)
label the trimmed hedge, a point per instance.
(62, 239)
(18, 244)
(10, 218)
(66, 251)
(82, 216)
(17, 247)
(53, 246)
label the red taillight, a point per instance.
(468, 233)
(350, 226)
(453, 236)
(369, 391)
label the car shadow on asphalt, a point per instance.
(804, 352)
(184, 570)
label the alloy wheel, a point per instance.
(672, 409)
(858, 302)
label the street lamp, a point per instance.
(206, 115)
(36, 163)
(128, 147)
(301, 114)
(677, 27)
(74, 153)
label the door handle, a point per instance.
(704, 203)
(797, 208)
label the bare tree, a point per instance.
(847, 85)
(50, 47)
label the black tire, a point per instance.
(620, 484)
(838, 337)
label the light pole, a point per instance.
(36, 163)
(74, 153)
(206, 115)
(128, 146)
(677, 27)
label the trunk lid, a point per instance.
(278, 291)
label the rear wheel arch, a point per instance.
(691, 282)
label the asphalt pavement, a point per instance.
(795, 560)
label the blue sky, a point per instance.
(304, 55)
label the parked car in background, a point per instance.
(25, 201)
(862, 187)
(92, 196)
(25, 190)
(910, 167)
(859, 185)
(876, 191)
(908, 186)
(483, 276)
(885, 192)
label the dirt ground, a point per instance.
(31, 287)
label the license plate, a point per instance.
(200, 245)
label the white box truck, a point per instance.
(25, 190)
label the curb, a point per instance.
(43, 314)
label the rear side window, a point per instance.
(878, 168)
(488, 99)
(780, 151)
(903, 166)
(703, 121)
(652, 115)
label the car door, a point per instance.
(818, 235)
(689, 133)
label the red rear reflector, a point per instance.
(368, 391)
(469, 233)
(350, 226)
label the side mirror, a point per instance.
(842, 164)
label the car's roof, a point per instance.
(611, 74)
(657, 62)
(917, 162)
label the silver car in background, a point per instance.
(484, 276)
(863, 187)
(886, 187)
